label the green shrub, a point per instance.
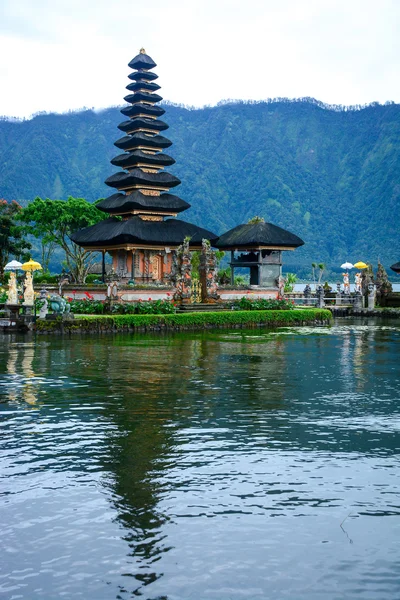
(45, 278)
(197, 320)
(204, 319)
(93, 278)
(251, 303)
(90, 306)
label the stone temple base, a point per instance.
(64, 317)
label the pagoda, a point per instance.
(138, 233)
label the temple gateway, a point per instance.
(138, 234)
(142, 233)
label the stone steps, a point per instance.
(202, 307)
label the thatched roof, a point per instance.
(256, 235)
(144, 123)
(129, 142)
(141, 108)
(120, 203)
(138, 177)
(142, 61)
(142, 97)
(396, 267)
(128, 160)
(142, 75)
(143, 85)
(135, 231)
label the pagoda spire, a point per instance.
(143, 162)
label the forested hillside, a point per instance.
(330, 176)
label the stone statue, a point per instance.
(357, 283)
(281, 286)
(307, 294)
(208, 273)
(12, 295)
(29, 294)
(64, 279)
(346, 283)
(320, 296)
(59, 305)
(45, 306)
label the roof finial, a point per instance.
(142, 51)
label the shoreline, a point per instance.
(184, 322)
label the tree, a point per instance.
(321, 268)
(53, 221)
(12, 242)
(291, 279)
(383, 285)
(314, 266)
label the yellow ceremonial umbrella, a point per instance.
(31, 265)
(361, 265)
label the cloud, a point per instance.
(64, 54)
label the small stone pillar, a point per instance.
(208, 273)
(183, 273)
(358, 301)
(338, 294)
(371, 296)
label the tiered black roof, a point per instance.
(143, 161)
(144, 179)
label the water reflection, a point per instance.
(185, 466)
(23, 382)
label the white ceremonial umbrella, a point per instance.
(346, 265)
(13, 266)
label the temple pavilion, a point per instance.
(141, 233)
(258, 246)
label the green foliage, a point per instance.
(53, 221)
(41, 277)
(256, 219)
(3, 295)
(12, 242)
(248, 303)
(90, 306)
(198, 320)
(291, 279)
(383, 285)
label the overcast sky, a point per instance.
(57, 55)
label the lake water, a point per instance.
(232, 465)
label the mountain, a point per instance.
(330, 175)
